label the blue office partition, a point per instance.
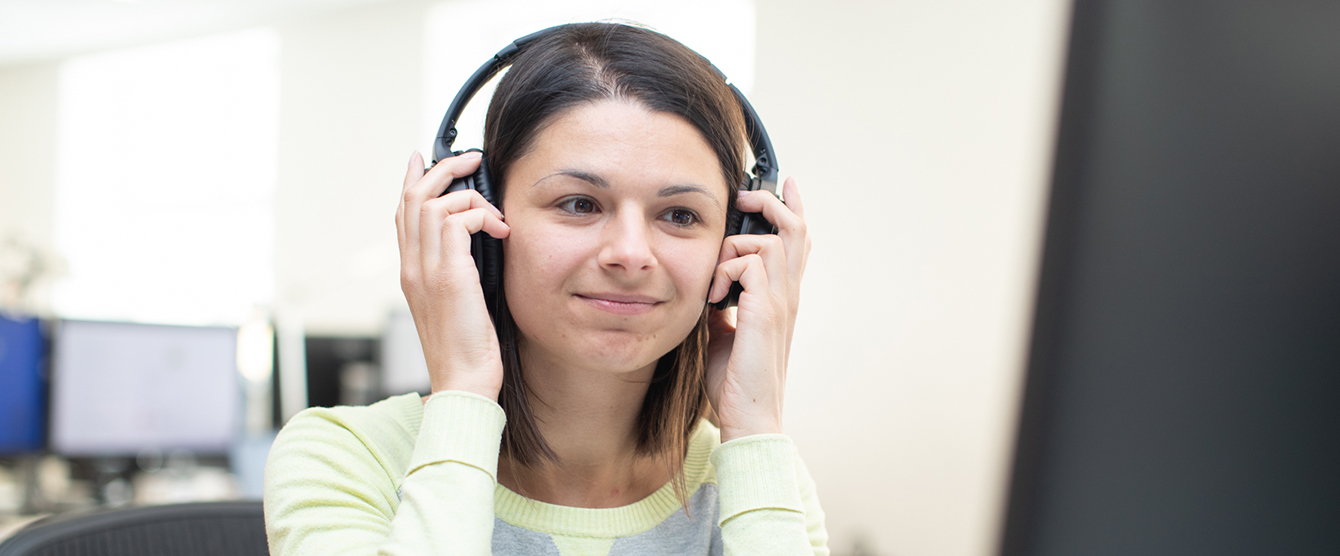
(22, 385)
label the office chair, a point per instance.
(197, 529)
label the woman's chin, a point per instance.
(617, 353)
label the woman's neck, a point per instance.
(589, 419)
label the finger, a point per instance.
(412, 174)
(430, 186)
(769, 247)
(462, 224)
(776, 212)
(748, 270)
(454, 167)
(434, 214)
(791, 194)
(461, 201)
(791, 227)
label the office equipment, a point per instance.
(200, 529)
(119, 388)
(341, 371)
(1181, 395)
(22, 385)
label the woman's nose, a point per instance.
(626, 244)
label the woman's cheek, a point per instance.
(544, 256)
(696, 263)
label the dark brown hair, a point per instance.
(585, 63)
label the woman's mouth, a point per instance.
(620, 304)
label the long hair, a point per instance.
(580, 64)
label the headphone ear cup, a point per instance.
(487, 249)
(734, 220)
(739, 222)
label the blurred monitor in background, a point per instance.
(22, 385)
(341, 371)
(118, 389)
(1181, 395)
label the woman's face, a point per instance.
(616, 218)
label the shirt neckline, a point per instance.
(631, 519)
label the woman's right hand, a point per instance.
(439, 277)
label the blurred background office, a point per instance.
(198, 197)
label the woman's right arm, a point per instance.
(330, 488)
(326, 491)
(440, 279)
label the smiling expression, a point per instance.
(616, 218)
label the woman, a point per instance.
(567, 414)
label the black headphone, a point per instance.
(487, 250)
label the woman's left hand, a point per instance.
(746, 366)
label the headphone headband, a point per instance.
(765, 163)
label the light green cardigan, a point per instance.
(403, 477)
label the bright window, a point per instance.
(165, 180)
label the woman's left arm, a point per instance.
(746, 367)
(768, 501)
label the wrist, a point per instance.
(729, 432)
(485, 390)
(738, 420)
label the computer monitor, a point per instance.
(120, 388)
(22, 385)
(341, 370)
(1183, 385)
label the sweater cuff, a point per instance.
(756, 472)
(459, 427)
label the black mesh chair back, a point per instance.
(198, 529)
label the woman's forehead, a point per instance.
(616, 142)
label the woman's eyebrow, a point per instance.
(667, 191)
(672, 190)
(584, 176)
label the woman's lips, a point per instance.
(620, 304)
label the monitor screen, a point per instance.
(341, 371)
(119, 388)
(22, 384)
(1181, 393)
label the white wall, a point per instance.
(349, 119)
(920, 133)
(27, 149)
(28, 119)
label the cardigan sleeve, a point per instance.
(768, 500)
(327, 492)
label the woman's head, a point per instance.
(618, 151)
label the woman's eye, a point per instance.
(579, 205)
(682, 217)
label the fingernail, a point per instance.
(742, 193)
